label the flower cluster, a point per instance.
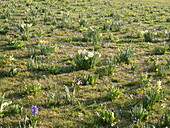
(34, 110)
(42, 42)
(86, 60)
(23, 25)
(88, 55)
(145, 80)
(159, 86)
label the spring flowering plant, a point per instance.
(24, 27)
(139, 113)
(47, 48)
(92, 35)
(34, 110)
(33, 116)
(152, 94)
(86, 60)
(145, 80)
(107, 117)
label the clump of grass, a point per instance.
(88, 79)
(154, 93)
(4, 30)
(53, 99)
(69, 98)
(3, 105)
(47, 48)
(15, 44)
(107, 117)
(164, 120)
(125, 55)
(162, 69)
(145, 80)
(149, 37)
(110, 69)
(92, 35)
(9, 72)
(160, 50)
(33, 88)
(139, 113)
(16, 109)
(113, 92)
(6, 59)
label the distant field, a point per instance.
(84, 63)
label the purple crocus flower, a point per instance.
(132, 78)
(135, 120)
(34, 110)
(16, 28)
(102, 43)
(42, 56)
(61, 96)
(108, 42)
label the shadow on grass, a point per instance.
(96, 100)
(17, 95)
(46, 70)
(7, 125)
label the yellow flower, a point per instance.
(81, 29)
(145, 76)
(156, 70)
(118, 50)
(51, 12)
(107, 21)
(159, 83)
(42, 42)
(159, 87)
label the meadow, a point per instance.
(84, 63)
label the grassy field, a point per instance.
(84, 63)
